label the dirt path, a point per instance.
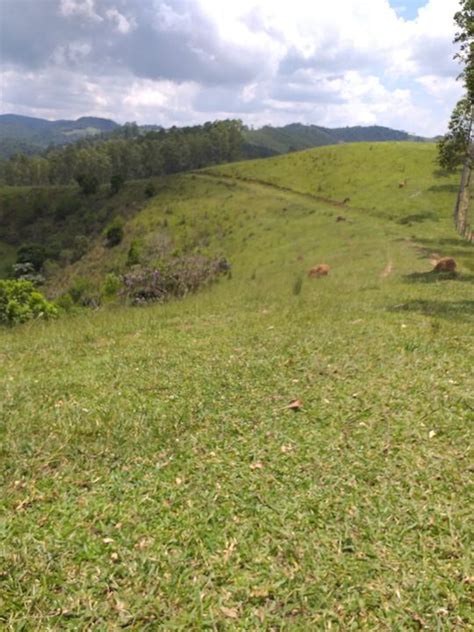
(275, 187)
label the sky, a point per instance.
(180, 62)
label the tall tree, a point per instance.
(457, 146)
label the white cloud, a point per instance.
(267, 61)
(122, 24)
(81, 8)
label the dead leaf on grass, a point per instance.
(256, 466)
(231, 613)
(295, 405)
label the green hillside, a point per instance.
(153, 473)
(296, 136)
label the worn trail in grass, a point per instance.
(154, 477)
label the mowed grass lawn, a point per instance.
(154, 477)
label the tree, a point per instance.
(457, 146)
(116, 183)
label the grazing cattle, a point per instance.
(322, 269)
(446, 264)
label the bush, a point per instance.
(83, 293)
(150, 190)
(116, 183)
(112, 284)
(114, 233)
(182, 276)
(19, 302)
(65, 302)
(35, 254)
(133, 257)
(88, 183)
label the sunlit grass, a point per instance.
(154, 477)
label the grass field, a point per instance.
(153, 475)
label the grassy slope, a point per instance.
(154, 478)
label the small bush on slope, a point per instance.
(19, 302)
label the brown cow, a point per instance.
(446, 264)
(322, 269)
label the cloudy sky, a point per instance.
(327, 62)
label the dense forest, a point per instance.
(127, 154)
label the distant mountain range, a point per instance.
(33, 135)
(281, 140)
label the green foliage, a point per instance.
(133, 256)
(34, 254)
(112, 285)
(84, 293)
(89, 183)
(65, 302)
(454, 146)
(80, 245)
(116, 183)
(129, 156)
(114, 233)
(150, 190)
(19, 302)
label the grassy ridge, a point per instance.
(154, 477)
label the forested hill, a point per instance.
(30, 135)
(269, 140)
(127, 153)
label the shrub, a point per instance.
(116, 183)
(181, 276)
(35, 254)
(88, 183)
(112, 284)
(81, 245)
(114, 233)
(83, 293)
(27, 272)
(65, 302)
(19, 302)
(133, 256)
(150, 190)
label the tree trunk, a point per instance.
(463, 203)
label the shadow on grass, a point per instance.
(453, 310)
(444, 188)
(451, 247)
(436, 277)
(418, 217)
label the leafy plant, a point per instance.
(19, 302)
(114, 233)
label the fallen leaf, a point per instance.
(431, 434)
(107, 540)
(286, 448)
(295, 405)
(114, 557)
(232, 613)
(256, 466)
